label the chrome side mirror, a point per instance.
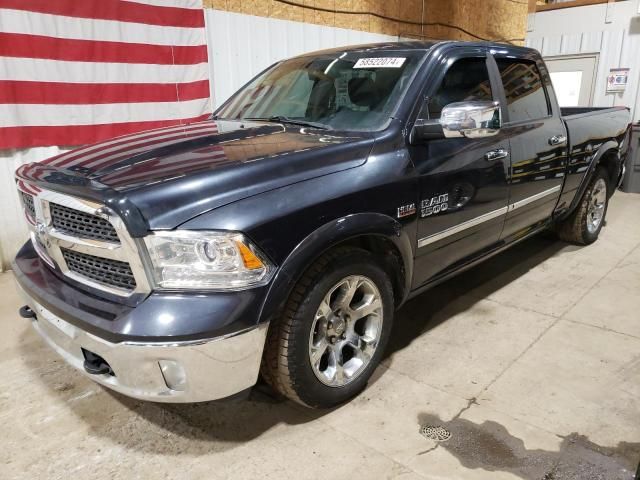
(471, 119)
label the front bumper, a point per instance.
(192, 371)
(167, 348)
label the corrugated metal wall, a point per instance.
(13, 230)
(615, 35)
(240, 46)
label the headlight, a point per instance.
(215, 260)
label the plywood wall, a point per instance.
(444, 19)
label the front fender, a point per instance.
(327, 236)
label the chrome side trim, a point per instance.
(463, 226)
(533, 198)
(486, 217)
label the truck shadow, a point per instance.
(147, 427)
(456, 295)
(196, 429)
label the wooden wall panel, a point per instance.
(442, 19)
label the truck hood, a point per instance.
(161, 178)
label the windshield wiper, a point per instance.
(292, 121)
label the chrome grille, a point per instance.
(113, 273)
(81, 224)
(85, 240)
(27, 201)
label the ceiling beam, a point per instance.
(574, 3)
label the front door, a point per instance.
(463, 182)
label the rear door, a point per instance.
(463, 181)
(537, 142)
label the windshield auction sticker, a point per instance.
(384, 62)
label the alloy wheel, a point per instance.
(597, 204)
(346, 330)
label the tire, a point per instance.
(287, 364)
(584, 225)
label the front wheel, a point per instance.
(584, 225)
(335, 326)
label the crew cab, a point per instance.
(280, 236)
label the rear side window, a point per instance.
(523, 87)
(466, 80)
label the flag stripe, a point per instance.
(125, 153)
(57, 93)
(17, 21)
(39, 46)
(129, 139)
(88, 72)
(115, 154)
(123, 11)
(17, 114)
(76, 72)
(193, 4)
(27, 188)
(20, 137)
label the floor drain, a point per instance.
(435, 432)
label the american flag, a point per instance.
(74, 72)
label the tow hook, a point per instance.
(94, 364)
(26, 312)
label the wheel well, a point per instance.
(390, 256)
(610, 162)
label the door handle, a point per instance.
(557, 140)
(496, 154)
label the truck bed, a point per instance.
(594, 125)
(590, 130)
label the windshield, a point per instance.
(349, 91)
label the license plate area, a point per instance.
(55, 321)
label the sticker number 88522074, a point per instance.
(383, 62)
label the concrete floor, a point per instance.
(531, 361)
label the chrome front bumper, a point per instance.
(194, 371)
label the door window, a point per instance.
(524, 89)
(466, 80)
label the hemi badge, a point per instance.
(406, 210)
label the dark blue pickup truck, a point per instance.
(279, 237)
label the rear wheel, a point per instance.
(324, 348)
(584, 225)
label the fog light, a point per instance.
(174, 375)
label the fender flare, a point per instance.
(327, 236)
(606, 147)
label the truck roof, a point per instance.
(420, 45)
